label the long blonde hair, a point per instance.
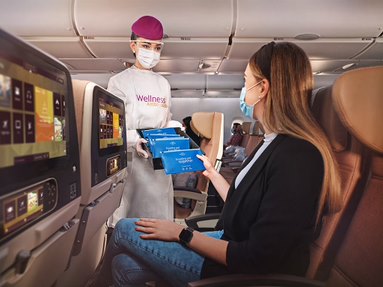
(287, 111)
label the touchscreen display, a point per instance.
(32, 113)
(111, 123)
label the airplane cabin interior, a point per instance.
(63, 142)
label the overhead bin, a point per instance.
(315, 49)
(118, 47)
(224, 82)
(374, 52)
(187, 82)
(37, 17)
(203, 48)
(326, 66)
(352, 19)
(230, 66)
(187, 94)
(95, 65)
(186, 66)
(205, 82)
(60, 47)
(187, 18)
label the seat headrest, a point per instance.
(246, 127)
(252, 128)
(324, 112)
(202, 124)
(358, 98)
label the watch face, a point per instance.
(186, 235)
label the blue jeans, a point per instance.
(135, 261)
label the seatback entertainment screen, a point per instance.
(111, 123)
(108, 153)
(32, 113)
(39, 154)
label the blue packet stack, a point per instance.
(160, 145)
(181, 161)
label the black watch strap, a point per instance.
(186, 235)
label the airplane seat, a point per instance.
(358, 98)
(40, 189)
(251, 138)
(101, 129)
(209, 127)
(350, 249)
(347, 152)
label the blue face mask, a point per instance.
(247, 110)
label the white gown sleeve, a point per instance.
(114, 88)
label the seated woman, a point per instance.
(272, 207)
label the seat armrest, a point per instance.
(197, 222)
(257, 280)
(190, 193)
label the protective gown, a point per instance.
(148, 192)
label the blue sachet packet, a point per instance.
(157, 146)
(159, 131)
(181, 161)
(152, 137)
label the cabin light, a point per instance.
(348, 66)
(307, 36)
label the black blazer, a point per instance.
(269, 220)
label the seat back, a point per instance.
(209, 127)
(358, 98)
(100, 127)
(40, 190)
(347, 152)
(255, 136)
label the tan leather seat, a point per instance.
(347, 153)
(358, 98)
(209, 127)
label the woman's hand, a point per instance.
(159, 229)
(141, 152)
(210, 170)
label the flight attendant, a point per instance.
(148, 192)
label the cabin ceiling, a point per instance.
(93, 36)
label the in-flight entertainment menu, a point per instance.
(32, 114)
(111, 124)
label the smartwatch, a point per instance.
(186, 235)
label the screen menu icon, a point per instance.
(29, 97)
(18, 128)
(17, 99)
(5, 127)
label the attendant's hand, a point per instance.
(210, 170)
(141, 152)
(159, 229)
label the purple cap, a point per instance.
(149, 28)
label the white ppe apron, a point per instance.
(148, 193)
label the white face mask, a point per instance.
(147, 58)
